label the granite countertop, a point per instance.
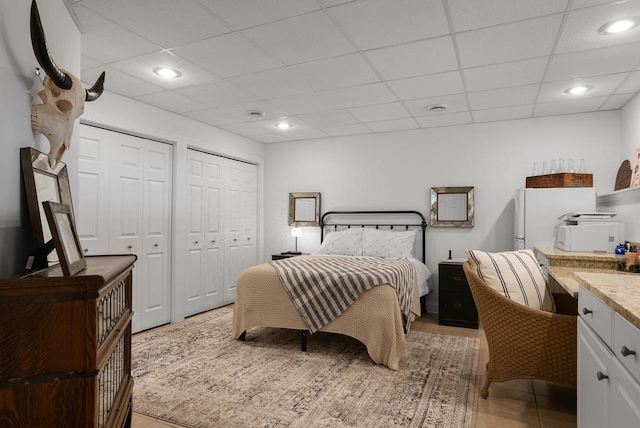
(619, 290)
(564, 276)
(557, 253)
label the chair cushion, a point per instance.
(515, 274)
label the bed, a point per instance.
(375, 318)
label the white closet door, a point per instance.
(92, 214)
(154, 299)
(241, 223)
(214, 242)
(195, 294)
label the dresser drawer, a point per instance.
(452, 279)
(627, 335)
(458, 309)
(597, 315)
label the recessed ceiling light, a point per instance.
(255, 114)
(167, 72)
(577, 90)
(437, 107)
(283, 125)
(619, 26)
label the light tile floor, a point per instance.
(513, 404)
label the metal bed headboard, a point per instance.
(363, 214)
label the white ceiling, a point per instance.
(341, 67)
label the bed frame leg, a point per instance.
(303, 341)
(243, 336)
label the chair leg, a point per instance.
(484, 392)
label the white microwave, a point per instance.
(591, 237)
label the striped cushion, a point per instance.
(515, 274)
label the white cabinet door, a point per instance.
(593, 358)
(625, 398)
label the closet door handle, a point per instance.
(248, 239)
(626, 351)
(234, 239)
(213, 241)
(86, 250)
(130, 247)
(195, 243)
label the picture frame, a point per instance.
(65, 237)
(635, 176)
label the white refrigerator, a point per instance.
(537, 212)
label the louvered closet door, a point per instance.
(195, 294)
(241, 214)
(125, 208)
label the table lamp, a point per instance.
(296, 232)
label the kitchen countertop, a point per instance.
(564, 275)
(558, 257)
(619, 290)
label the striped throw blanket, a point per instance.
(321, 288)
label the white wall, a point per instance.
(116, 112)
(17, 67)
(392, 171)
(626, 202)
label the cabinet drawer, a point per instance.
(628, 336)
(458, 307)
(596, 315)
(452, 279)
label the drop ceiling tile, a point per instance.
(368, 22)
(218, 94)
(142, 67)
(428, 86)
(568, 107)
(379, 112)
(393, 125)
(118, 82)
(270, 138)
(306, 103)
(270, 124)
(469, 15)
(242, 110)
(631, 84)
(515, 73)
(505, 97)
(577, 4)
(171, 101)
(580, 30)
(602, 86)
(329, 118)
(509, 42)
(107, 41)
(331, 3)
(503, 113)
(444, 120)
(414, 59)
(214, 116)
(337, 72)
(249, 13)
(454, 103)
(596, 62)
(273, 83)
(87, 62)
(307, 134)
(356, 96)
(167, 23)
(301, 39)
(227, 56)
(615, 102)
(344, 130)
(245, 129)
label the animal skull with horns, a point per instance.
(63, 96)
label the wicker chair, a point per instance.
(525, 343)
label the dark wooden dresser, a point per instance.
(457, 307)
(65, 346)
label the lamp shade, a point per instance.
(296, 231)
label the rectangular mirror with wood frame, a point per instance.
(304, 209)
(452, 206)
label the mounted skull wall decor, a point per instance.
(63, 96)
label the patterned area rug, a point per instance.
(195, 374)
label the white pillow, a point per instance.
(514, 274)
(387, 243)
(347, 242)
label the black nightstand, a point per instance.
(286, 255)
(457, 307)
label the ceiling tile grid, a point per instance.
(349, 67)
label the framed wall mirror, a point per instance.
(304, 209)
(452, 206)
(43, 183)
